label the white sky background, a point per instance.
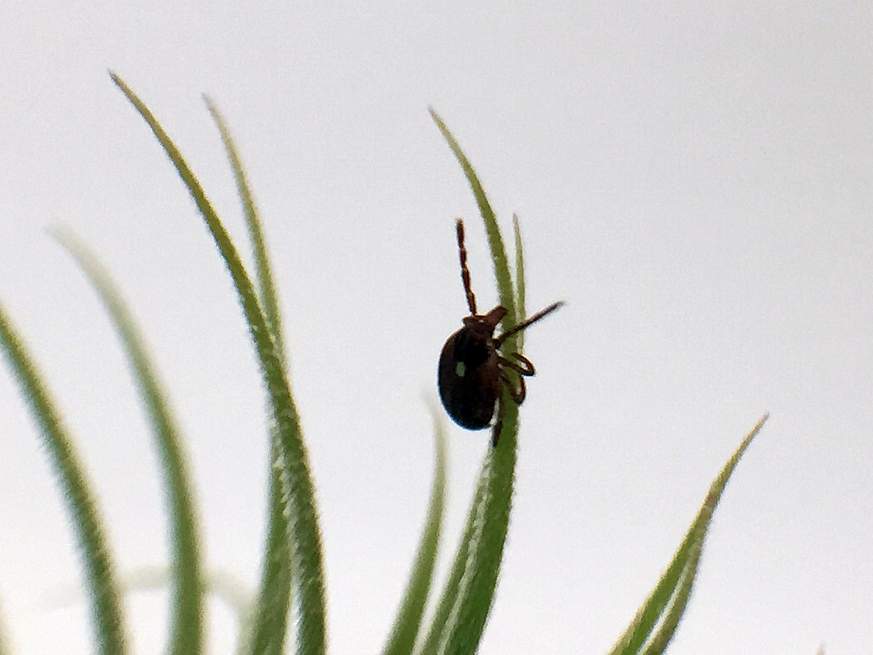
(694, 182)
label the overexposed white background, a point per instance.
(694, 181)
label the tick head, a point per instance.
(485, 324)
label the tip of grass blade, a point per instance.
(669, 598)
(186, 620)
(505, 287)
(303, 522)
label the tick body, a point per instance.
(472, 370)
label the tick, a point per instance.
(472, 370)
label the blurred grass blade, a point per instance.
(106, 608)
(4, 639)
(271, 611)
(519, 279)
(228, 590)
(186, 618)
(223, 586)
(488, 522)
(675, 585)
(303, 529)
(406, 626)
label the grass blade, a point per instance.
(678, 603)
(488, 521)
(406, 626)
(269, 625)
(297, 481)
(106, 608)
(452, 586)
(4, 640)
(186, 618)
(266, 287)
(495, 240)
(222, 586)
(519, 278)
(219, 584)
(674, 587)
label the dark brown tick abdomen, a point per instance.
(468, 378)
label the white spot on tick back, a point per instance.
(460, 369)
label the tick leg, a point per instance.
(518, 393)
(527, 322)
(523, 367)
(465, 272)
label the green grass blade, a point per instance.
(406, 626)
(266, 287)
(297, 481)
(186, 617)
(220, 585)
(269, 622)
(453, 584)
(106, 608)
(466, 622)
(519, 278)
(682, 569)
(271, 612)
(678, 603)
(495, 240)
(488, 521)
(4, 640)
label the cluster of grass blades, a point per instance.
(292, 560)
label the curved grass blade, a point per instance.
(488, 521)
(495, 240)
(271, 611)
(106, 608)
(675, 585)
(186, 617)
(519, 278)
(219, 584)
(229, 591)
(266, 287)
(408, 621)
(297, 482)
